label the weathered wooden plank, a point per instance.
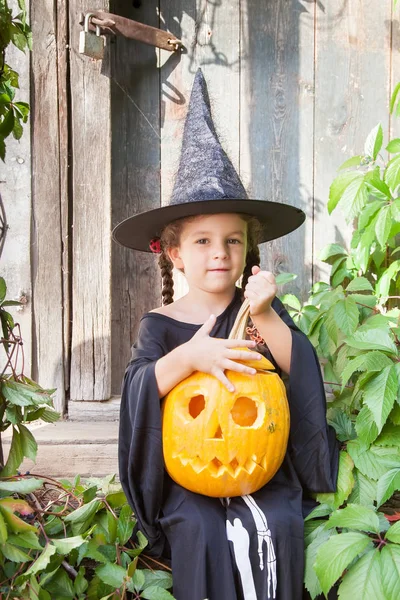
(276, 112)
(68, 460)
(63, 116)
(352, 86)
(46, 231)
(15, 189)
(91, 181)
(95, 411)
(135, 126)
(210, 33)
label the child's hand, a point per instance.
(214, 355)
(260, 290)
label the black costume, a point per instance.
(195, 528)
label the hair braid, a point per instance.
(167, 280)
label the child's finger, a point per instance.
(239, 343)
(255, 269)
(231, 365)
(243, 355)
(224, 380)
(206, 328)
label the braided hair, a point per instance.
(170, 238)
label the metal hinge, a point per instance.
(117, 25)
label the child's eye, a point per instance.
(202, 241)
(234, 241)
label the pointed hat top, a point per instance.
(205, 172)
(206, 183)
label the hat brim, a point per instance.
(276, 219)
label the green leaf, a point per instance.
(393, 146)
(3, 289)
(14, 554)
(383, 225)
(380, 394)
(342, 425)
(3, 530)
(388, 484)
(60, 585)
(372, 339)
(359, 284)
(354, 161)
(339, 186)
(393, 533)
(375, 461)
(310, 577)
(111, 574)
(345, 483)
(370, 361)
(330, 251)
(355, 516)
(364, 490)
(65, 545)
(80, 583)
(383, 284)
(84, 513)
(29, 445)
(15, 456)
(336, 554)
(365, 426)
(390, 436)
(390, 561)
(392, 173)
(125, 524)
(396, 212)
(156, 593)
(7, 124)
(363, 579)
(161, 579)
(138, 581)
(292, 301)
(21, 486)
(27, 539)
(42, 561)
(283, 278)
(373, 143)
(347, 315)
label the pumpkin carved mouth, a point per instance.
(216, 468)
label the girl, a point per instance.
(241, 548)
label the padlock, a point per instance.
(91, 44)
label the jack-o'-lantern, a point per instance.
(220, 443)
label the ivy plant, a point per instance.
(14, 30)
(73, 541)
(353, 536)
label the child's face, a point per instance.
(212, 252)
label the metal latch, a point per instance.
(117, 25)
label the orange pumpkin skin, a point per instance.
(219, 443)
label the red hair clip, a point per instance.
(155, 245)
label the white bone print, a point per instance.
(239, 536)
(264, 535)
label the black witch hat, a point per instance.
(206, 183)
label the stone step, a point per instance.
(68, 448)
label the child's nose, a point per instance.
(220, 250)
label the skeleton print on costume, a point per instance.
(239, 536)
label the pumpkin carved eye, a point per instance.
(244, 412)
(196, 405)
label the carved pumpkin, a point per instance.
(220, 443)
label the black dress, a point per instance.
(243, 548)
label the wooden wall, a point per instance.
(296, 86)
